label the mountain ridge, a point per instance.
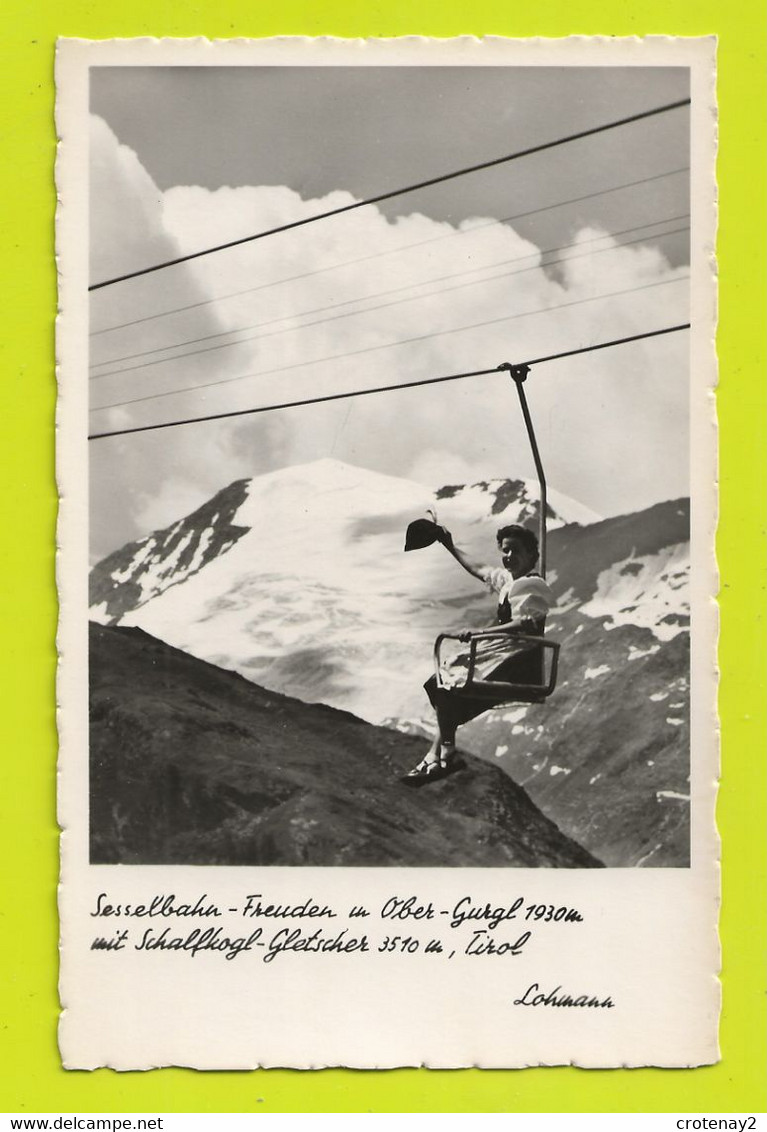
(142, 569)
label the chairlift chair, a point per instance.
(543, 653)
(535, 691)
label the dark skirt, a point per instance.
(457, 707)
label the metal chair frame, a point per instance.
(511, 692)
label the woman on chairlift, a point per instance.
(524, 599)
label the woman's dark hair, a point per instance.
(529, 539)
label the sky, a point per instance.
(583, 243)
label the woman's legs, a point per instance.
(451, 711)
(442, 749)
(443, 744)
(452, 708)
(447, 725)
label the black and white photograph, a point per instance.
(387, 391)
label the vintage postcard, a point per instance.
(387, 461)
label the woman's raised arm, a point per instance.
(476, 569)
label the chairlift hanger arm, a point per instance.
(519, 376)
(524, 636)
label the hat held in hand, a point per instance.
(424, 532)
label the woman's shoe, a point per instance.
(434, 765)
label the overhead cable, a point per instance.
(397, 192)
(389, 251)
(387, 345)
(380, 294)
(388, 388)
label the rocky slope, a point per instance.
(194, 765)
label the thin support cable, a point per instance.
(387, 345)
(391, 251)
(389, 388)
(397, 192)
(382, 294)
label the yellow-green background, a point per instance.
(31, 1076)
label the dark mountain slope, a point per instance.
(578, 554)
(191, 764)
(607, 757)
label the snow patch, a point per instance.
(592, 673)
(138, 559)
(566, 601)
(170, 562)
(99, 613)
(554, 770)
(662, 794)
(515, 715)
(637, 654)
(658, 697)
(199, 555)
(654, 850)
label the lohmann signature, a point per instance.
(534, 996)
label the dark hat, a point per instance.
(421, 533)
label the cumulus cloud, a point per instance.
(359, 301)
(145, 481)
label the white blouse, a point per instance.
(529, 597)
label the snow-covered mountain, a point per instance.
(297, 580)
